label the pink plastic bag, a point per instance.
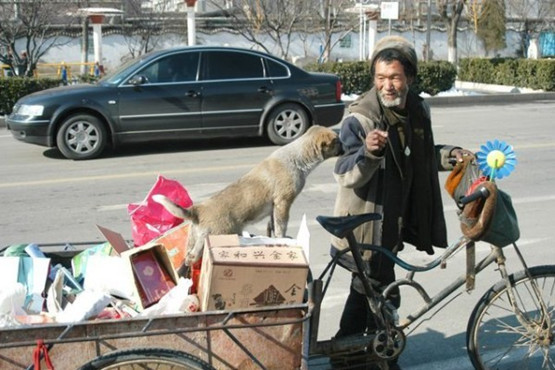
(150, 219)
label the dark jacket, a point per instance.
(361, 175)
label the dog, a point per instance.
(268, 189)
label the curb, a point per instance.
(497, 98)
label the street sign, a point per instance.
(389, 10)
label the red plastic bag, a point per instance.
(150, 219)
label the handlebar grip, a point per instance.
(481, 192)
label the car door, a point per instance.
(167, 102)
(235, 90)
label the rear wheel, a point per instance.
(286, 123)
(81, 136)
(147, 358)
(497, 339)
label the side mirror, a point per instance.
(137, 80)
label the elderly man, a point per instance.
(390, 167)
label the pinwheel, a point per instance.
(496, 159)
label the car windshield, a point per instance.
(120, 73)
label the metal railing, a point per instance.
(54, 70)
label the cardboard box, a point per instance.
(238, 275)
(175, 242)
(151, 268)
(152, 273)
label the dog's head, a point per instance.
(326, 140)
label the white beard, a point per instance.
(390, 103)
(398, 101)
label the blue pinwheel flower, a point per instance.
(496, 159)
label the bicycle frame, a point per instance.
(353, 344)
(496, 254)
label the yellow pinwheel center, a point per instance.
(496, 159)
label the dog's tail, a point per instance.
(174, 209)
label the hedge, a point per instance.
(12, 88)
(437, 76)
(433, 77)
(529, 73)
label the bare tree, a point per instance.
(333, 20)
(279, 21)
(36, 22)
(260, 20)
(450, 12)
(143, 27)
(475, 9)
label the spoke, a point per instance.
(90, 129)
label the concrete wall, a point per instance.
(115, 47)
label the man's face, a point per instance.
(392, 83)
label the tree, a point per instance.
(260, 20)
(331, 21)
(142, 28)
(491, 27)
(534, 16)
(278, 21)
(450, 12)
(474, 10)
(32, 21)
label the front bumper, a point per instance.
(30, 131)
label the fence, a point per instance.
(54, 70)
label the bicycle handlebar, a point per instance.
(481, 192)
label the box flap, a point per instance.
(228, 240)
(115, 239)
(175, 241)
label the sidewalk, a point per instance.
(489, 98)
(490, 94)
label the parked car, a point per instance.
(180, 93)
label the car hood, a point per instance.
(71, 92)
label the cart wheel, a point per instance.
(147, 358)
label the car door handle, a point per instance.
(264, 89)
(192, 94)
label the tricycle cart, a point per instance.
(268, 337)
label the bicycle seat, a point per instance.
(340, 226)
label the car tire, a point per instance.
(286, 123)
(81, 136)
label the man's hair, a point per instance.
(391, 55)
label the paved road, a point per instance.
(46, 198)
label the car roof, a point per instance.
(157, 53)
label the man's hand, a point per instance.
(376, 141)
(459, 153)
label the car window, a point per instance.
(276, 69)
(173, 68)
(222, 65)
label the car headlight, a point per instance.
(30, 110)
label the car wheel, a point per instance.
(81, 136)
(286, 123)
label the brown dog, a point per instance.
(269, 189)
